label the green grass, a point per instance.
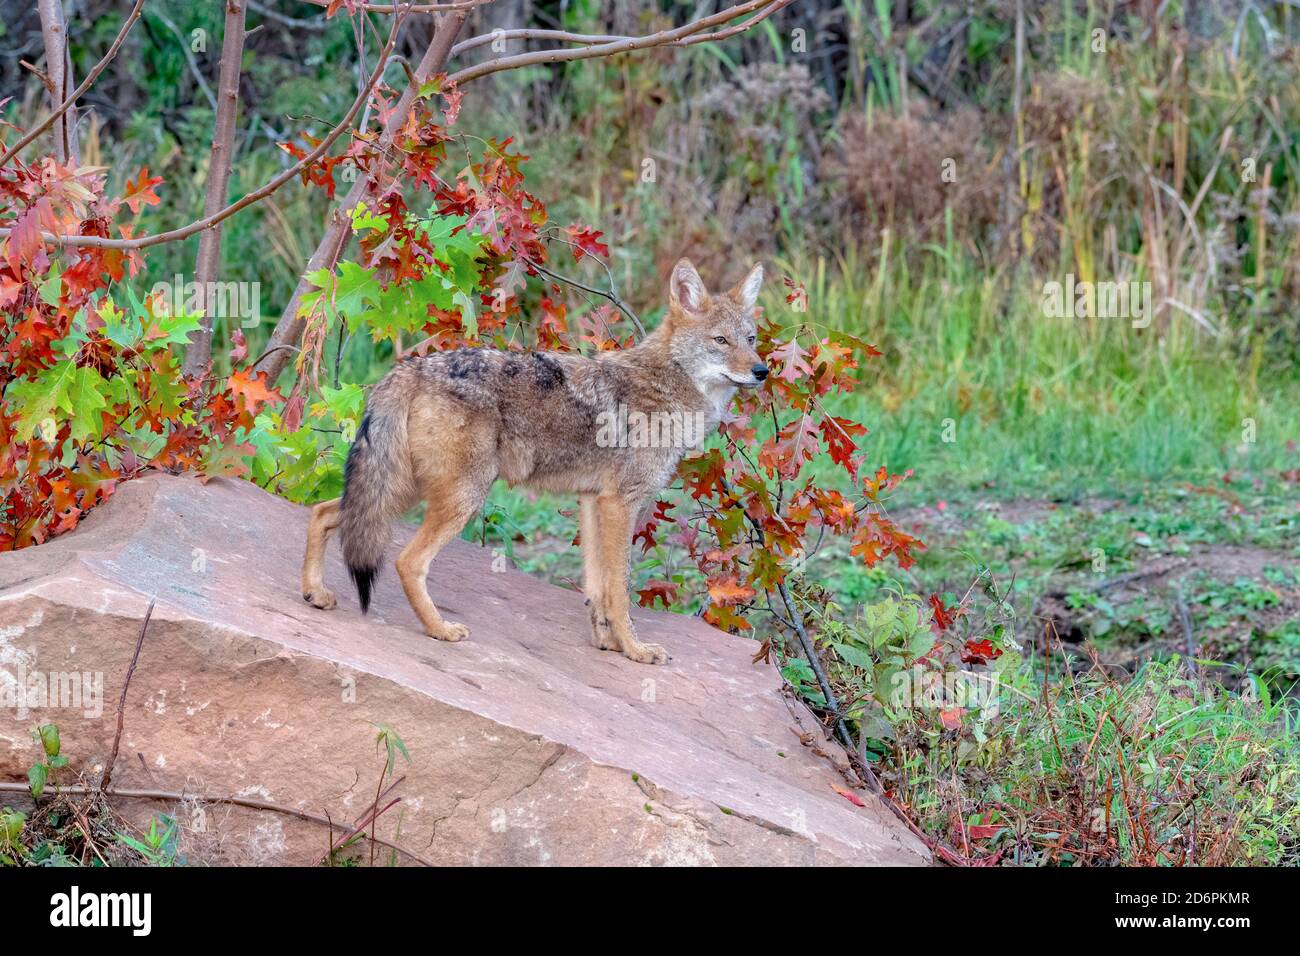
(1057, 406)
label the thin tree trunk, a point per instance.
(288, 331)
(199, 353)
(58, 69)
(1024, 239)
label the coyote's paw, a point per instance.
(322, 598)
(601, 635)
(449, 632)
(645, 653)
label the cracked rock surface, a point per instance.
(527, 745)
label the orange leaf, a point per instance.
(729, 590)
(140, 193)
(253, 389)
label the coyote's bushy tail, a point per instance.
(377, 486)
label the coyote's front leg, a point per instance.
(593, 579)
(614, 523)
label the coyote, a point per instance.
(443, 427)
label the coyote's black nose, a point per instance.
(760, 371)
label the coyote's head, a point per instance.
(713, 336)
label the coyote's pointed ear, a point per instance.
(686, 292)
(746, 293)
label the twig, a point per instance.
(318, 23)
(841, 729)
(290, 327)
(248, 802)
(338, 352)
(1103, 586)
(412, 8)
(939, 848)
(374, 813)
(610, 294)
(274, 348)
(360, 828)
(121, 701)
(680, 36)
(1185, 618)
(562, 36)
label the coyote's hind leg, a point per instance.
(446, 513)
(325, 517)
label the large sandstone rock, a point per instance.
(527, 745)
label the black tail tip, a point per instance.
(364, 579)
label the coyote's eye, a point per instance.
(720, 339)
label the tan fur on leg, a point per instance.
(615, 522)
(592, 577)
(442, 522)
(325, 518)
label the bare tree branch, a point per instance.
(290, 327)
(67, 104)
(686, 35)
(58, 77)
(415, 8)
(561, 36)
(609, 293)
(199, 352)
(318, 23)
(184, 232)
(735, 29)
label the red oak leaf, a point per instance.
(979, 652)
(792, 359)
(586, 241)
(665, 591)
